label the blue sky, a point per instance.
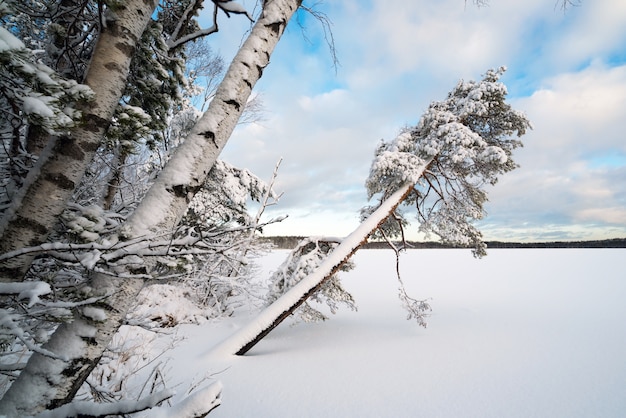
(567, 71)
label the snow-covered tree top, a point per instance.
(467, 140)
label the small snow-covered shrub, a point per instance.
(302, 261)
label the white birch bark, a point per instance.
(62, 165)
(56, 381)
(168, 198)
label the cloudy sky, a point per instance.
(566, 70)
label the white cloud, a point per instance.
(578, 120)
(605, 215)
(594, 30)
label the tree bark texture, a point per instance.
(47, 190)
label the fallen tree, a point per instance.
(441, 167)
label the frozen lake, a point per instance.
(520, 333)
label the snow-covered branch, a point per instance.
(197, 405)
(231, 6)
(176, 41)
(26, 290)
(92, 409)
(227, 6)
(122, 256)
(10, 327)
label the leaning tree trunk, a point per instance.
(161, 210)
(65, 159)
(248, 336)
(168, 198)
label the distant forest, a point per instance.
(289, 242)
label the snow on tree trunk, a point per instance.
(168, 198)
(47, 382)
(246, 338)
(44, 196)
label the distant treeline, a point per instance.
(290, 242)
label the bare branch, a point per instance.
(326, 24)
(417, 309)
(565, 4)
(479, 3)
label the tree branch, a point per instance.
(94, 410)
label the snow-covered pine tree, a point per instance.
(467, 139)
(441, 165)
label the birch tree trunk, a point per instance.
(65, 159)
(46, 382)
(83, 341)
(168, 198)
(248, 336)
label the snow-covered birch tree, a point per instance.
(441, 166)
(63, 162)
(170, 195)
(75, 347)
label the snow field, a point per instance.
(519, 333)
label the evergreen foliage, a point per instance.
(468, 138)
(33, 98)
(64, 32)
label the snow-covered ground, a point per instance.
(520, 333)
